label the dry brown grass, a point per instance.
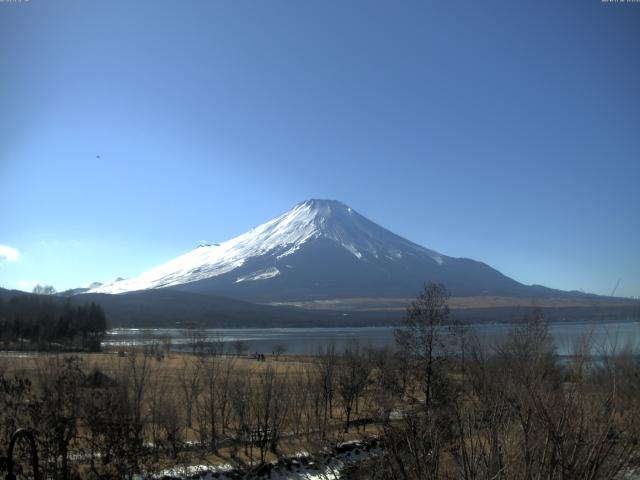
(167, 371)
(478, 301)
(26, 363)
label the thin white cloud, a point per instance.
(8, 254)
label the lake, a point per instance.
(304, 341)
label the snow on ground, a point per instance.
(297, 467)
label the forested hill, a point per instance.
(175, 309)
(50, 322)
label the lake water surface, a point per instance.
(302, 341)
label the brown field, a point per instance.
(27, 363)
(164, 378)
(400, 303)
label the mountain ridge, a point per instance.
(320, 249)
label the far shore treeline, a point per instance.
(47, 322)
(45, 319)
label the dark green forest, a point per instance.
(46, 322)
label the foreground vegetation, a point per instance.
(515, 411)
(443, 406)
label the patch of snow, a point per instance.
(353, 250)
(299, 466)
(259, 275)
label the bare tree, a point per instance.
(240, 347)
(353, 375)
(414, 443)
(388, 386)
(57, 412)
(279, 349)
(423, 338)
(197, 340)
(300, 393)
(170, 424)
(213, 402)
(190, 380)
(240, 408)
(269, 408)
(129, 413)
(327, 361)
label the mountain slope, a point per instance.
(320, 249)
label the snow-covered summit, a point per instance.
(336, 221)
(277, 239)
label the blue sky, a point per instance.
(508, 132)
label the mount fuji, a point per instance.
(320, 250)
